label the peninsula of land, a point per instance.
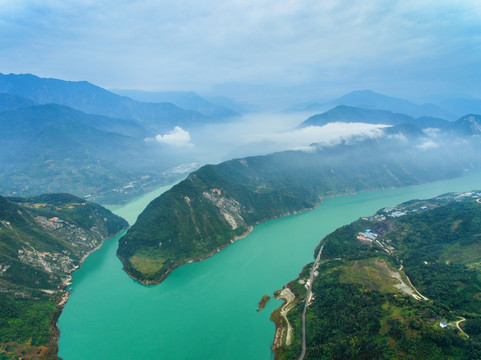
(401, 283)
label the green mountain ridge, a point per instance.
(43, 239)
(220, 203)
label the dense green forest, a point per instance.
(365, 306)
(219, 203)
(43, 239)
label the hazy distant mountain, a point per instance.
(239, 107)
(351, 114)
(409, 131)
(467, 125)
(371, 100)
(12, 102)
(52, 148)
(92, 99)
(462, 106)
(184, 99)
(27, 122)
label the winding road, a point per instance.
(456, 323)
(308, 302)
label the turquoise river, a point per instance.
(207, 310)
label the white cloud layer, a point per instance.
(330, 134)
(177, 137)
(428, 144)
(259, 134)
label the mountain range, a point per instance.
(185, 99)
(465, 126)
(449, 108)
(349, 114)
(77, 137)
(371, 100)
(92, 99)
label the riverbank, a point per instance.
(208, 255)
(106, 305)
(176, 255)
(62, 299)
(284, 330)
(431, 236)
(55, 302)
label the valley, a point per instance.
(227, 287)
(239, 180)
(116, 153)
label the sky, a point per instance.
(272, 51)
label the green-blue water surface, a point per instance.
(207, 310)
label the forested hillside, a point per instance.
(43, 239)
(219, 203)
(403, 283)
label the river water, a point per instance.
(207, 310)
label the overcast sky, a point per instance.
(249, 49)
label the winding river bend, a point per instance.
(207, 310)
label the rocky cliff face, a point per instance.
(229, 208)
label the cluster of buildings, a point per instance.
(50, 262)
(371, 237)
(367, 235)
(52, 223)
(461, 196)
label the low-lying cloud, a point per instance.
(302, 138)
(428, 144)
(259, 134)
(177, 137)
(330, 134)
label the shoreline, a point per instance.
(212, 253)
(64, 295)
(251, 228)
(284, 331)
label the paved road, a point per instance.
(307, 303)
